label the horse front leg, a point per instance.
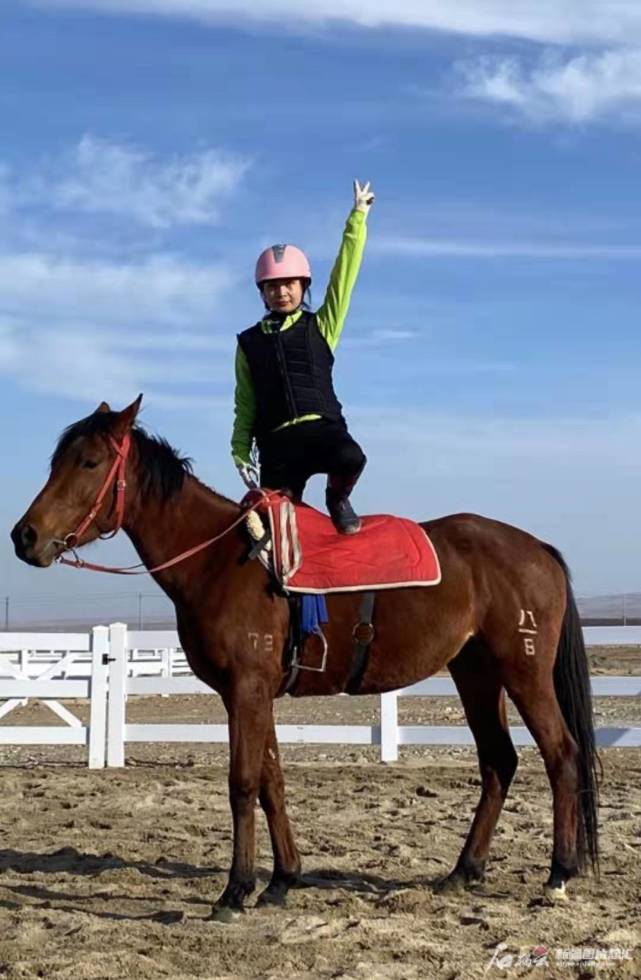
(249, 707)
(272, 799)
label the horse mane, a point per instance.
(162, 468)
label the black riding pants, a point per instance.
(290, 456)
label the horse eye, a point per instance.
(88, 464)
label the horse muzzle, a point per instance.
(30, 548)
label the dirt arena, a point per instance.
(111, 874)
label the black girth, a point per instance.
(363, 634)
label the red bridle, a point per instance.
(117, 473)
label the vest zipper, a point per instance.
(282, 364)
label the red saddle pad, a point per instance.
(310, 555)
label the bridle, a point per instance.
(117, 473)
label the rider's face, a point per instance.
(283, 295)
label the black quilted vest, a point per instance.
(292, 374)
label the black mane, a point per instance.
(162, 468)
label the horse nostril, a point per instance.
(24, 536)
(29, 535)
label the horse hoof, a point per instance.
(224, 915)
(272, 899)
(555, 894)
(449, 885)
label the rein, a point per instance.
(117, 473)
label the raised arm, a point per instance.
(331, 315)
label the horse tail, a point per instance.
(572, 686)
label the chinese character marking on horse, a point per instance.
(529, 629)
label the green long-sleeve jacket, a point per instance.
(330, 318)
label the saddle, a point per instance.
(309, 556)
(309, 559)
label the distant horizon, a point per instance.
(604, 610)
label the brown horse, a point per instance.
(503, 619)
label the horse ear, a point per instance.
(103, 407)
(127, 417)
(134, 408)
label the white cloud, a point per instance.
(614, 21)
(89, 363)
(77, 364)
(579, 89)
(380, 337)
(160, 289)
(89, 312)
(9, 347)
(535, 473)
(443, 441)
(85, 312)
(81, 329)
(100, 176)
(183, 340)
(435, 247)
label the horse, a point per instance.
(503, 619)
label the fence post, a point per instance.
(389, 727)
(165, 663)
(117, 694)
(23, 666)
(98, 695)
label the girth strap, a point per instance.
(363, 633)
(295, 643)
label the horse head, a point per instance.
(84, 496)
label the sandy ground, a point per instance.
(111, 874)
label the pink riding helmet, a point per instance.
(282, 262)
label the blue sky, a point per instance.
(490, 363)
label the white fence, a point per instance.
(49, 667)
(114, 663)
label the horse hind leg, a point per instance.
(539, 708)
(272, 799)
(551, 690)
(549, 683)
(476, 675)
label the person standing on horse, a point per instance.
(285, 396)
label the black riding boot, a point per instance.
(341, 512)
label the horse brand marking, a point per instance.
(528, 629)
(264, 640)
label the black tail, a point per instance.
(572, 685)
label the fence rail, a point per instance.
(22, 678)
(113, 663)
